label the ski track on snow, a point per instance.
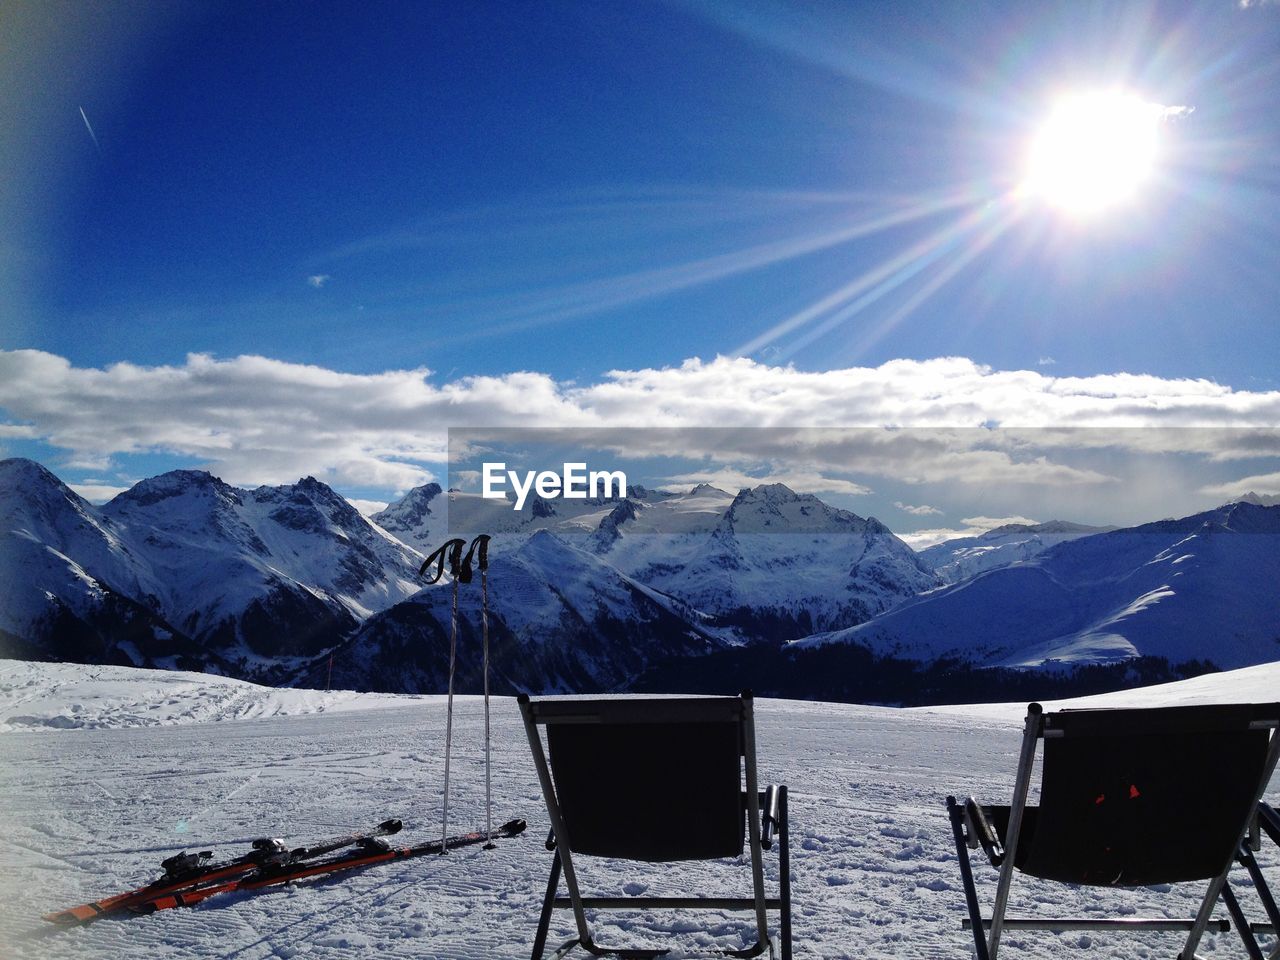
(88, 812)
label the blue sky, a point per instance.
(570, 189)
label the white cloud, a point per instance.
(1046, 362)
(318, 280)
(983, 524)
(923, 510)
(84, 460)
(367, 508)
(974, 527)
(1264, 484)
(253, 420)
(96, 492)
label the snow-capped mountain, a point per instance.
(72, 588)
(183, 565)
(963, 557)
(418, 518)
(427, 516)
(185, 570)
(776, 563)
(1261, 499)
(1199, 588)
(560, 620)
(271, 572)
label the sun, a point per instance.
(1093, 151)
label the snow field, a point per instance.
(88, 812)
(69, 696)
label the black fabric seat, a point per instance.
(606, 776)
(1129, 797)
(660, 780)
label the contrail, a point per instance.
(88, 126)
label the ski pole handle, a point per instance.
(450, 550)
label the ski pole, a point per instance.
(452, 550)
(448, 724)
(483, 542)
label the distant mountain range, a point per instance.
(1203, 587)
(282, 584)
(251, 582)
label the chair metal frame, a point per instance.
(971, 829)
(1266, 821)
(766, 811)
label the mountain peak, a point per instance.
(22, 468)
(1259, 499)
(25, 484)
(775, 507)
(25, 476)
(410, 510)
(705, 490)
(1049, 526)
(175, 483)
(773, 493)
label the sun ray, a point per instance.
(859, 293)
(595, 296)
(945, 275)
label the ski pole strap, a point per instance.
(450, 551)
(463, 564)
(479, 550)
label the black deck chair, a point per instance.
(1128, 797)
(657, 780)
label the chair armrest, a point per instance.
(981, 833)
(770, 813)
(1269, 821)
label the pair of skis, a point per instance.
(190, 878)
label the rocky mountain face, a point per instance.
(72, 587)
(775, 564)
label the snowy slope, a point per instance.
(1256, 684)
(964, 557)
(72, 696)
(72, 586)
(38, 507)
(1203, 587)
(874, 868)
(560, 620)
